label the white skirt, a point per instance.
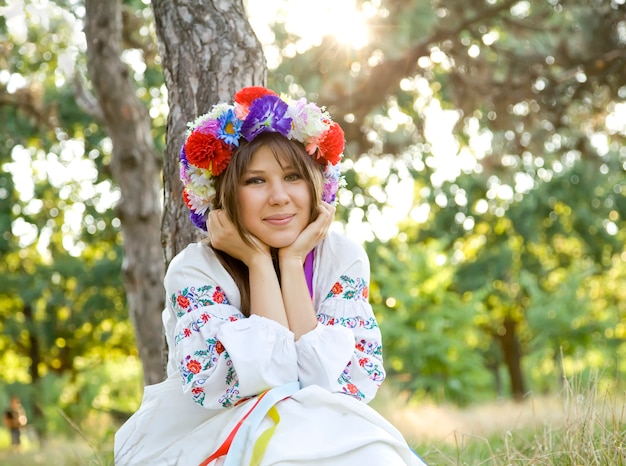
(316, 428)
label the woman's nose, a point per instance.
(278, 194)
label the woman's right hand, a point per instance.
(224, 236)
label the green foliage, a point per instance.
(90, 402)
(430, 340)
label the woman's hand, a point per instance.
(310, 237)
(224, 236)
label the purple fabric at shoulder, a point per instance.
(308, 271)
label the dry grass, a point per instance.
(581, 428)
(57, 452)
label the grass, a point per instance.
(582, 427)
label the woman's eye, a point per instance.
(254, 180)
(293, 177)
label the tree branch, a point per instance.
(85, 100)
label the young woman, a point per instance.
(268, 323)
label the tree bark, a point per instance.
(511, 351)
(208, 51)
(135, 167)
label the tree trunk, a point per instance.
(512, 357)
(208, 51)
(38, 422)
(135, 167)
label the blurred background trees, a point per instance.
(486, 171)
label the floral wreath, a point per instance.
(212, 138)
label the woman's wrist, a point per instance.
(288, 258)
(259, 260)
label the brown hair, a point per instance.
(226, 186)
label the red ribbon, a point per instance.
(224, 447)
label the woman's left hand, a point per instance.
(315, 232)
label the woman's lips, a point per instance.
(279, 220)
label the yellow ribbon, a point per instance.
(264, 439)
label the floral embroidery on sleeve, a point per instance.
(347, 386)
(349, 288)
(367, 349)
(368, 355)
(350, 322)
(203, 360)
(201, 321)
(191, 298)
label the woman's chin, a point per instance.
(280, 242)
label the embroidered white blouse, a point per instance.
(224, 357)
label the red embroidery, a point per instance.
(337, 288)
(182, 302)
(194, 366)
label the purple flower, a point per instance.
(332, 177)
(198, 220)
(183, 157)
(266, 115)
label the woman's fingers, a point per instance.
(312, 234)
(224, 236)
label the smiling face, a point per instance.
(237, 190)
(274, 199)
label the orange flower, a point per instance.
(207, 151)
(182, 302)
(218, 297)
(194, 366)
(365, 292)
(332, 144)
(337, 288)
(219, 347)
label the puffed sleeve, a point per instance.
(344, 352)
(222, 356)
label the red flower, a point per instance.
(187, 332)
(218, 297)
(207, 151)
(249, 94)
(219, 347)
(360, 347)
(205, 317)
(186, 198)
(194, 366)
(363, 362)
(332, 144)
(182, 301)
(337, 288)
(196, 390)
(352, 388)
